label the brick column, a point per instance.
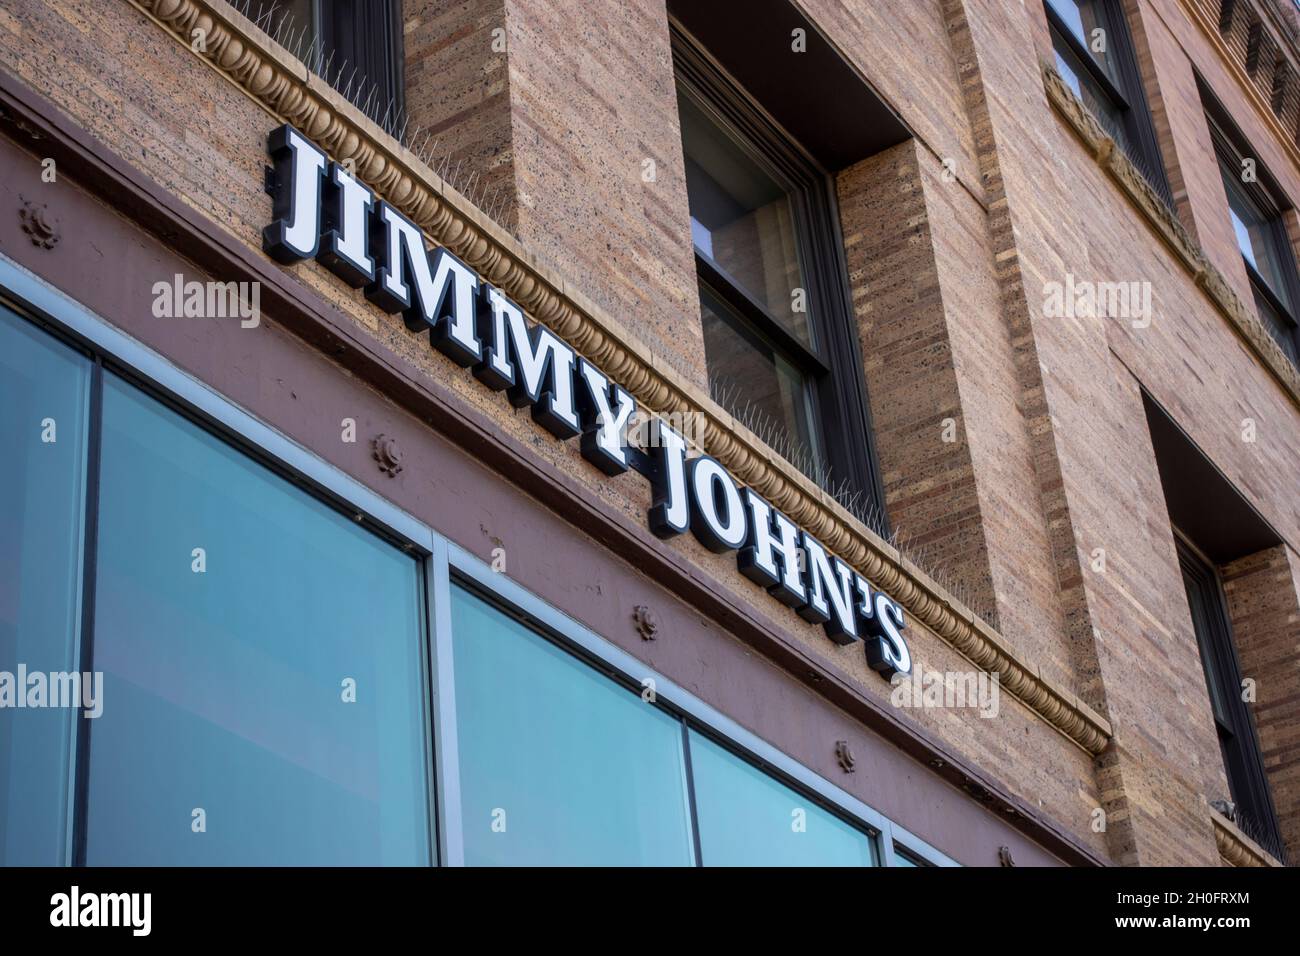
(560, 118)
(458, 97)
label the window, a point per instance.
(225, 610)
(44, 424)
(1256, 216)
(904, 858)
(561, 764)
(780, 341)
(1237, 740)
(748, 818)
(356, 45)
(558, 764)
(1094, 55)
(223, 688)
(266, 633)
(1214, 525)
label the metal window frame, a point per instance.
(568, 632)
(1266, 196)
(1242, 756)
(443, 561)
(1115, 89)
(1128, 93)
(831, 362)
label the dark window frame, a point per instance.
(832, 364)
(912, 859)
(1128, 95)
(1243, 762)
(1230, 149)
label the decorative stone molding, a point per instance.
(1134, 185)
(263, 70)
(1235, 848)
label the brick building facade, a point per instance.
(1058, 422)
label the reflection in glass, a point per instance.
(748, 818)
(295, 18)
(755, 382)
(1090, 24)
(1255, 234)
(226, 687)
(741, 219)
(558, 764)
(1098, 101)
(44, 396)
(1278, 325)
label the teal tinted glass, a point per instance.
(903, 859)
(44, 396)
(748, 818)
(558, 764)
(229, 735)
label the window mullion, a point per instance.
(736, 297)
(1261, 286)
(690, 791)
(86, 650)
(450, 833)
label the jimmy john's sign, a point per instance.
(322, 212)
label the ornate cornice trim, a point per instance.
(1134, 185)
(1249, 86)
(284, 87)
(1235, 848)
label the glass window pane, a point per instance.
(294, 20)
(1201, 605)
(558, 764)
(1244, 241)
(741, 218)
(44, 396)
(748, 818)
(902, 858)
(1089, 22)
(1279, 326)
(1106, 111)
(758, 385)
(225, 688)
(1256, 237)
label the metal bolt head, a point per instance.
(39, 224)
(388, 453)
(647, 622)
(844, 754)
